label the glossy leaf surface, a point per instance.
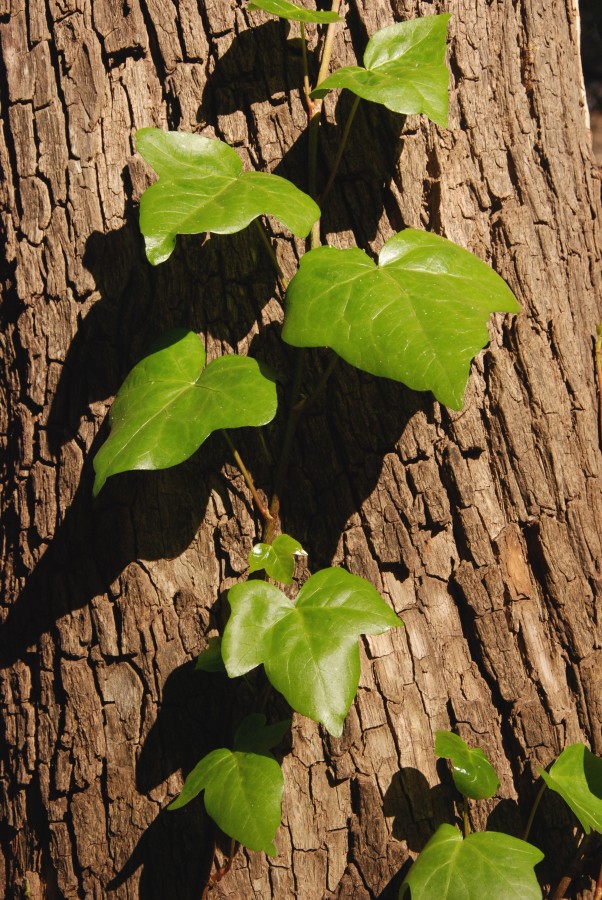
(309, 648)
(243, 788)
(404, 69)
(419, 316)
(277, 558)
(210, 659)
(170, 403)
(286, 10)
(473, 774)
(202, 187)
(577, 777)
(487, 865)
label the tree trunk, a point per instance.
(482, 528)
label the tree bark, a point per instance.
(482, 528)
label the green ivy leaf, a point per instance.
(210, 659)
(243, 789)
(309, 648)
(487, 865)
(286, 10)
(404, 69)
(577, 777)
(276, 558)
(169, 404)
(202, 187)
(254, 736)
(419, 316)
(473, 774)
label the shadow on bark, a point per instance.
(418, 808)
(199, 713)
(141, 515)
(175, 851)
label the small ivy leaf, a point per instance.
(210, 659)
(276, 558)
(473, 774)
(577, 777)
(419, 316)
(170, 403)
(404, 69)
(309, 648)
(254, 736)
(243, 795)
(286, 10)
(202, 187)
(487, 865)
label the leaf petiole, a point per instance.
(265, 513)
(341, 150)
(536, 803)
(271, 252)
(306, 84)
(307, 402)
(465, 817)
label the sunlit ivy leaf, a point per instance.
(286, 10)
(202, 187)
(243, 789)
(170, 403)
(277, 558)
(309, 648)
(487, 865)
(210, 659)
(419, 316)
(404, 69)
(577, 777)
(473, 774)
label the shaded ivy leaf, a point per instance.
(473, 774)
(419, 316)
(309, 648)
(286, 10)
(577, 777)
(170, 403)
(202, 187)
(254, 736)
(243, 791)
(487, 865)
(404, 69)
(210, 659)
(277, 558)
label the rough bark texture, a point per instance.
(482, 528)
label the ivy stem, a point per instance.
(598, 352)
(341, 150)
(271, 253)
(303, 405)
(536, 803)
(315, 110)
(465, 819)
(265, 513)
(306, 84)
(225, 869)
(328, 44)
(285, 455)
